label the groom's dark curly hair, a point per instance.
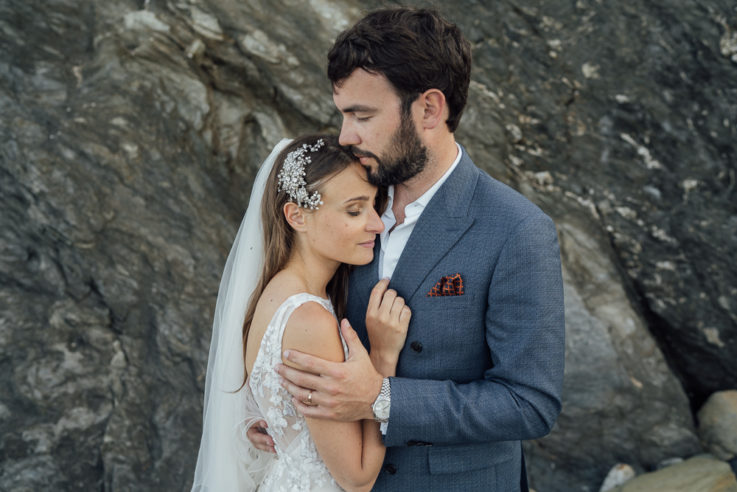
(415, 49)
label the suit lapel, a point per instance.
(441, 225)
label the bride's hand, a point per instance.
(387, 320)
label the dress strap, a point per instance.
(302, 297)
(290, 305)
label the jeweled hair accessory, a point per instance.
(292, 176)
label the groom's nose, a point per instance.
(348, 136)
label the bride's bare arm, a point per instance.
(352, 451)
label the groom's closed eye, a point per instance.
(360, 112)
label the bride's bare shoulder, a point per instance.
(278, 290)
(312, 329)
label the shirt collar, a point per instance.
(425, 198)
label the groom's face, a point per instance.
(383, 136)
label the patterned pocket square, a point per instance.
(449, 285)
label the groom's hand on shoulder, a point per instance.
(341, 391)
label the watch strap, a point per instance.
(382, 402)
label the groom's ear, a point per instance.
(435, 108)
(295, 216)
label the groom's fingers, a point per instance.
(308, 370)
(299, 389)
(351, 339)
(313, 411)
(258, 437)
(309, 363)
(302, 394)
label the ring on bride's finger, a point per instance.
(309, 398)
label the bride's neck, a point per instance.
(313, 272)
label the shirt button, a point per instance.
(390, 469)
(416, 346)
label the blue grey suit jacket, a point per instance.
(480, 371)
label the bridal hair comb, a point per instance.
(292, 176)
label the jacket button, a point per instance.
(416, 346)
(390, 469)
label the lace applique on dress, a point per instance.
(298, 466)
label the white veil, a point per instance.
(227, 460)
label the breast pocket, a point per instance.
(443, 303)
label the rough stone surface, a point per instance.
(131, 131)
(617, 389)
(629, 110)
(701, 473)
(718, 424)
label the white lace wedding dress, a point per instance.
(297, 466)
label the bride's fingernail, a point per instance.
(286, 354)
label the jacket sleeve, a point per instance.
(518, 398)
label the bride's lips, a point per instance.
(368, 244)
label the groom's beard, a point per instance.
(406, 158)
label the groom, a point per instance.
(477, 263)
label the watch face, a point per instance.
(381, 409)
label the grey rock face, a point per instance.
(131, 131)
(620, 401)
(111, 248)
(629, 111)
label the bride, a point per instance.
(284, 287)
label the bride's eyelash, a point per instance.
(354, 213)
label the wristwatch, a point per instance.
(383, 402)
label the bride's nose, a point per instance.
(374, 224)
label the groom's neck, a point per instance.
(441, 154)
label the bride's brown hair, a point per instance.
(327, 161)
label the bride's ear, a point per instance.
(295, 216)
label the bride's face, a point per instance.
(345, 226)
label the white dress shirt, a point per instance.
(394, 241)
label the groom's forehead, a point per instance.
(362, 82)
(358, 102)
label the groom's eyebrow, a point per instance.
(358, 108)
